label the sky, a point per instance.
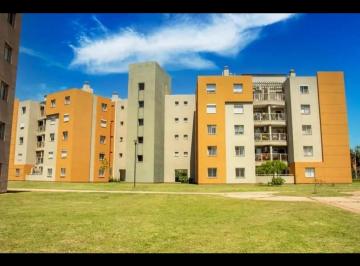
(60, 51)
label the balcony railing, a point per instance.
(261, 157)
(269, 117)
(35, 171)
(40, 144)
(41, 128)
(39, 160)
(271, 96)
(270, 137)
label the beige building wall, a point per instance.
(183, 108)
(120, 131)
(246, 140)
(157, 84)
(294, 100)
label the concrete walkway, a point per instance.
(349, 203)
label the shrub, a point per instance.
(183, 179)
(277, 181)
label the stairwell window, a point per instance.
(306, 130)
(64, 154)
(304, 89)
(102, 156)
(52, 136)
(101, 172)
(238, 88)
(103, 123)
(211, 108)
(140, 139)
(211, 129)
(141, 121)
(4, 90)
(49, 172)
(212, 151)
(63, 172)
(104, 107)
(21, 141)
(51, 155)
(239, 172)
(310, 172)
(53, 103)
(305, 109)
(65, 135)
(308, 151)
(239, 129)
(239, 151)
(141, 104)
(212, 172)
(66, 117)
(102, 139)
(67, 100)
(238, 109)
(141, 86)
(17, 171)
(210, 88)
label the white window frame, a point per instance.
(53, 103)
(210, 149)
(62, 172)
(211, 108)
(301, 91)
(49, 174)
(211, 88)
(308, 154)
(305, 132)
(66, 117)
(104, 107)
(67, 135)
(103, 123)
(212, 170)
(302, 111)
(186, 154)
(64, 154)
(238, 108)
(104, 137)
(239, 132)
(236, 88)
(50, 155)
(241, 148)
(67, 100)
(211, 129)
(52, 134)
(311, 174)
(176, 154)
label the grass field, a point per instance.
(82, 222)
(293, 190)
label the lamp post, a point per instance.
(135, 143)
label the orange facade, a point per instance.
(224, 93)
(335, 166)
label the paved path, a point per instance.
(349, 203)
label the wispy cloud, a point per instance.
(183, 42)
(47, 60)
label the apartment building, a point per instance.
(220, 135)
(245, 120)
(68, 137)
(10, 27)
(179, 141)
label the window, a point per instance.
(65, 135)
(305, 109)
(7, 53)
(306, 130)
(102, 156)
(140, 139)
(121, 139)
(22, 125)
(185, 137)
(176, 154)
(308, 151)
(19, 156)
(122, 107)
(66, 117)
(176, 103)
(240, 151)
(4, 90)
(62, 172)
(211, 108)
(67, 100)
(52, 136)
(309, 172)
(185, 119)
(101, 172)
(212, 172)
(304, 89)
(51, 155)
(141, 86)
(17, 172)
(120, 155)
(185, 103)
(239, 129)
(103, 123)
(211, 129)
(239, 172)
(64, 154)
(2, 131)
(21, 141)
(52, 121)
(52, 103)
(104, 107)
(176, 136)
(210, 88)
(102, 139)
(11, 19)
(212, 150)
(141, 104)
(238, 109)
(238, 88)
(49, 172)
(141, 121)
(176, 119)
(186, 154)
(140, 158)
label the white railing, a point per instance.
(273, 137)
(270, 96)
(260, 157)
(268, 117)
(41, 128)
(40, 144)
(39, 160)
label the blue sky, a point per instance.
(59, 51)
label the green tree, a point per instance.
(273, 168)
(355, 160)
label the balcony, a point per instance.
(41, 129)
(40, 144)
(272, 118)
(39, 160)
(263, 157)
(274, 98)
(271, 139)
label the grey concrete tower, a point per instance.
(147, 87)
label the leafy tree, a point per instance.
(273, 168)
(355, 160)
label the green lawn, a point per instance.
(294, 190)
(82, 222)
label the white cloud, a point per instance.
(181, 42)
(48, 61)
